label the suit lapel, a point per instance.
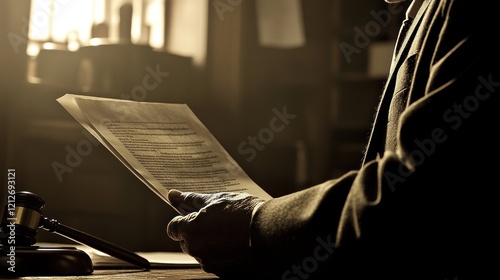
(377, 136)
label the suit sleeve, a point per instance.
(426, 208)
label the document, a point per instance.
(165, 145)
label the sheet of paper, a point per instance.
(157, 260)
(165, 145)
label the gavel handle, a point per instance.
(94, 242)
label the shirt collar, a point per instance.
(413, 8)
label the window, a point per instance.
(69, 24)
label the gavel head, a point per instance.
(21, 219)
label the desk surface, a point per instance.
(171, 274)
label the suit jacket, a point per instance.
(422, 205)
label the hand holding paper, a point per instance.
(216, 231)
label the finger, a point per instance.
(176, 200)
(184, 202)
(174, 228)
(187, 202)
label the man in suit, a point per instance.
(421, 206)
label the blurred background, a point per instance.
(235, 63)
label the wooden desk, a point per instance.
(164, 265)
(171, 274)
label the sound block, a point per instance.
(43, 261)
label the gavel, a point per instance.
(27, 217)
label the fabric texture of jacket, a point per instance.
(422, 205)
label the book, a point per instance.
(164, 144)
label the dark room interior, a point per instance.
(234, 63)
